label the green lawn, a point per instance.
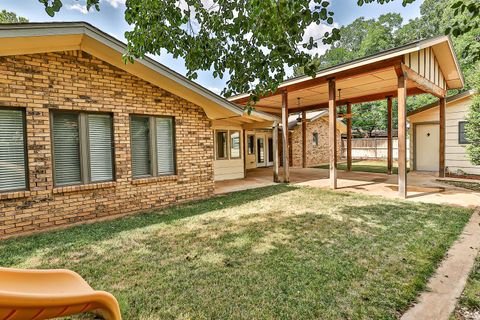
(474, 186)
(279, 252)
(373, 166)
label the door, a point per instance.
(270, 152)
(261, 161)
(427, 147)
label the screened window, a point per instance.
(251, 144)
(462, 139)
(315, 138)
(13, 166)
(234, 144)
(82, 148)
(153, 146)
(221, 140)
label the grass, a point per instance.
(474, 186)
(468, 306)
(278, 252)
(365, 166)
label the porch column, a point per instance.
(285, 153)
(332, 132)
(441, 165)
(349, 136)
(389, 136)
(304, 139)
(276, 158)
(402, 137)
(244, 145)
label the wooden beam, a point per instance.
(243, 144)
(423, 83)
(285, 153)
(304, 139)
(361, 99)
(258, 125)
(402, 137)
(389, 136)
(349, 137)
(332, 132)
(441, 164)
(276, 158)
(342, 74)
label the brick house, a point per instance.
(316, 137)
(85, 136)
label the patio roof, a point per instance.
(431, 64)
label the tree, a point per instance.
(252, 41)
(11, 17)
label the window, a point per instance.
(315, 138)
(153, 145)
(13, 167)
(221, 140)
(82, 148)
(251, 144)
(234, 144)
(462, 139)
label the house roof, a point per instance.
(312, 116)
(449, 100)
(371, 78)
(31, 38)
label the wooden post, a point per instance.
(332, 132)
(285, 152)
(276, 158)
(441, 165)
(389, 136)
(304, 139)
(349, 136)
(402, 137)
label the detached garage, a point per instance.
(425, 131)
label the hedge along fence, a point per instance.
(372, 148)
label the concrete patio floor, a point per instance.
(422, 187)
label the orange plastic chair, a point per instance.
(46, 294)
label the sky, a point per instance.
(110, 19)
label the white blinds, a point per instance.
(100, 145)
(12, 151)
(165, 145)
(139, 130)
(66, 142)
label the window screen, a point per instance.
(140, 139)
(462, 139)
(12, 150)
(101, 151)
(165, 146)
(66, 144)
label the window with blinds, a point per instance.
(13, 166)
(153, 146)
(82, 148)
(140, 140)
(100, 147)
(234, 144)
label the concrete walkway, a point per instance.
(446, 286)
(421, 187)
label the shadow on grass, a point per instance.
(14, 250)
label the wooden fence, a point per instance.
(371, 148)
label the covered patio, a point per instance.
(423, 67)
(422, 187)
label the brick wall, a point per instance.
(77, 81)
(316, 155)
